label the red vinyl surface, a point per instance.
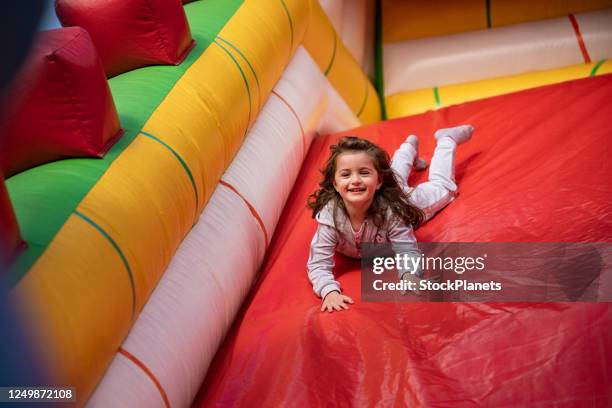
(538, 169)
(131, 34)
(59, 105)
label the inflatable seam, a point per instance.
(296, 118)
(250, 207)
(246, 83)
(581, 44)
(183, 164)
(365, 97)
(148, 372)
(250, 67)
(290, 25)
(333, 57)
(119, 251)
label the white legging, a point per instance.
(435, 194)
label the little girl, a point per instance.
(363, 198)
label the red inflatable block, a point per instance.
(129, 34)
(59, 105)
(11, 243)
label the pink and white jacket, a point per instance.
(335, 233)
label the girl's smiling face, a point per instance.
(356, 178)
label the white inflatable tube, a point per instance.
(166, 355)
(503, 51)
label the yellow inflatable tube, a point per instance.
(422, 100)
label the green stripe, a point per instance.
(365, 98)
(488, 8)
(596, 67)
(244, 78)
(46, 196)
(333, 57)
(378, 59)
(119, 251)
(185, 167)
(248, 63)
(436, 96)
(290, 24)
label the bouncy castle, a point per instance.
(157, 157)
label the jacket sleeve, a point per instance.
(321, 261)
(403, 242)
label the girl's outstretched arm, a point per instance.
(321, 261)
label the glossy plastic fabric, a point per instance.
(429, 18)
(215, 266)
(84, 292)
(422, 100)
(539, 174)
(510, 50)
(131, 34)
(59, 105)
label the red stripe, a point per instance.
(585, 53)
(148, 372)
(251, 208)
(297, 118)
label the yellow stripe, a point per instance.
(411, 103)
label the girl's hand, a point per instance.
(335, 301)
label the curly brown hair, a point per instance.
(388, 196)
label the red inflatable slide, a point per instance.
(536, 170)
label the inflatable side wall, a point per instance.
(217, 262)
(112, 226)
(466, 51)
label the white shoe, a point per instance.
(460, 134)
